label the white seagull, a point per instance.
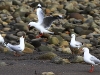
(88, 58)
(17, 48)
(45, 25)
(1, 39)
(74, 43)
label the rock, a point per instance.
(22, 26)
(78, 59)
(59, 38)
(47, 56)
(29, 45)
(6, 29)
(65, 36)
(21, 33)
(76, 16)
(28, 50)
(64, 44)
(3, 63)
(66, 50)
(78, 30)
(45, 48)
(57, 60)
(47, 11)
(36, 43)
(65, 61)
(53, 40)
(11, 37)
(32, 17)
(14, 2)
(56, 30)
(48, 73)
(5, 50)
(4, 5)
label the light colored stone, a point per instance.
(64, 44)
(48, 73)
(28, 50)
(66, 50)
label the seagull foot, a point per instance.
(39, 35)
(90, 71)
(16, 54)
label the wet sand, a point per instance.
(26, 65)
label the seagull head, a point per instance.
(85, 49)
(72, 35)
(39, 6)
(31, 24)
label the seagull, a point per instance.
(45, 25)
(88, 58)
(1, 39)
(16, 48)
(74, 43)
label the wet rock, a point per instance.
(47, 56)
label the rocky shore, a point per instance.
(81, 17)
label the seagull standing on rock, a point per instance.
(17, 48)
(90, 59)
(44, 23)
(74, 43)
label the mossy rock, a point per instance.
(47, 56)
(54, 40)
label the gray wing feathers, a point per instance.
(96, 60)
(47, 21)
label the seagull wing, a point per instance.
(47, 21)
(14, 47)
(40, 15)
(78, 43)
(94, 59)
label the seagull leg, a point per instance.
(16, 54)
(92, 69)
(41, 34)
